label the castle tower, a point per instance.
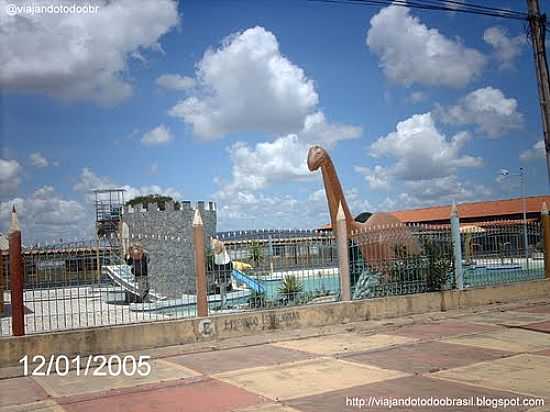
(165, 231)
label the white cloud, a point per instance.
(248, 210)
(243, 201)
(247, 85)
(535, 152)
(417, 97)
(10, 177)
(158, 135)
(79, 56)
(38, 160)
(410, 52)
(506, 49)
(488, 108)
(356, 202)
(256, 167)
(442, 190)
(378, 177)
(283, 159)
(420, 152)
(175, 82)
(317, 130)
(89, 181)
(46, 215)
(435, 192)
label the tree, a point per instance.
(159, 199)
(256, 253)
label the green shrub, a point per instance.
(290, 288)
(257, 300)
(439, 264)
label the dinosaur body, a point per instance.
(384, 233)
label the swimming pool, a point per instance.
(315, 284)
(494, 274)
(328, 283)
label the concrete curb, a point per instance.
(125, 338)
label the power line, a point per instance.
(467, 6)
(441, 5)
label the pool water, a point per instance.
(486, 276)
(326, 284)
(474, 276)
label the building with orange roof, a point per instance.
(474, 212)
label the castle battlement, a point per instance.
(166, 233)
(170, 206)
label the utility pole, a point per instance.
(537, 23)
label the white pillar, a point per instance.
(343, 254)
(457, 247)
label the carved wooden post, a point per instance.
(457, 247)
(200, 265)
(545, 217)
(16, 277)
(343, 256)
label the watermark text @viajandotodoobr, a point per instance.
(42, 8)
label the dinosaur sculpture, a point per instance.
(384, 233)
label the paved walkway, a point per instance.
(496, 356)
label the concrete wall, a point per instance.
(116, 339)
(167, 237)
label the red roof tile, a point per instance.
(495, 208)
(481, 210)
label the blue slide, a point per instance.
(248, 281)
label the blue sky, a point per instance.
(220, 99)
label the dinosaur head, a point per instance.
(316, 157)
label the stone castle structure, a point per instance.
(167, 236)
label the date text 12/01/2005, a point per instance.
(97, 365)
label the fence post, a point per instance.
(343, 254)
(457, 247)
(16, 277)
(200, 265)
(2, 286)
(545, 217)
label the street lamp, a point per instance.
(521, 175)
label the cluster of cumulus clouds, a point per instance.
(246, 85)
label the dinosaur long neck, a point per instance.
(335, 194)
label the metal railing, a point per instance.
(495, 252)
(274, 269)
(76, 285)
(399, 259)
(86, 284)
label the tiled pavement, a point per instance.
(496, 355)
